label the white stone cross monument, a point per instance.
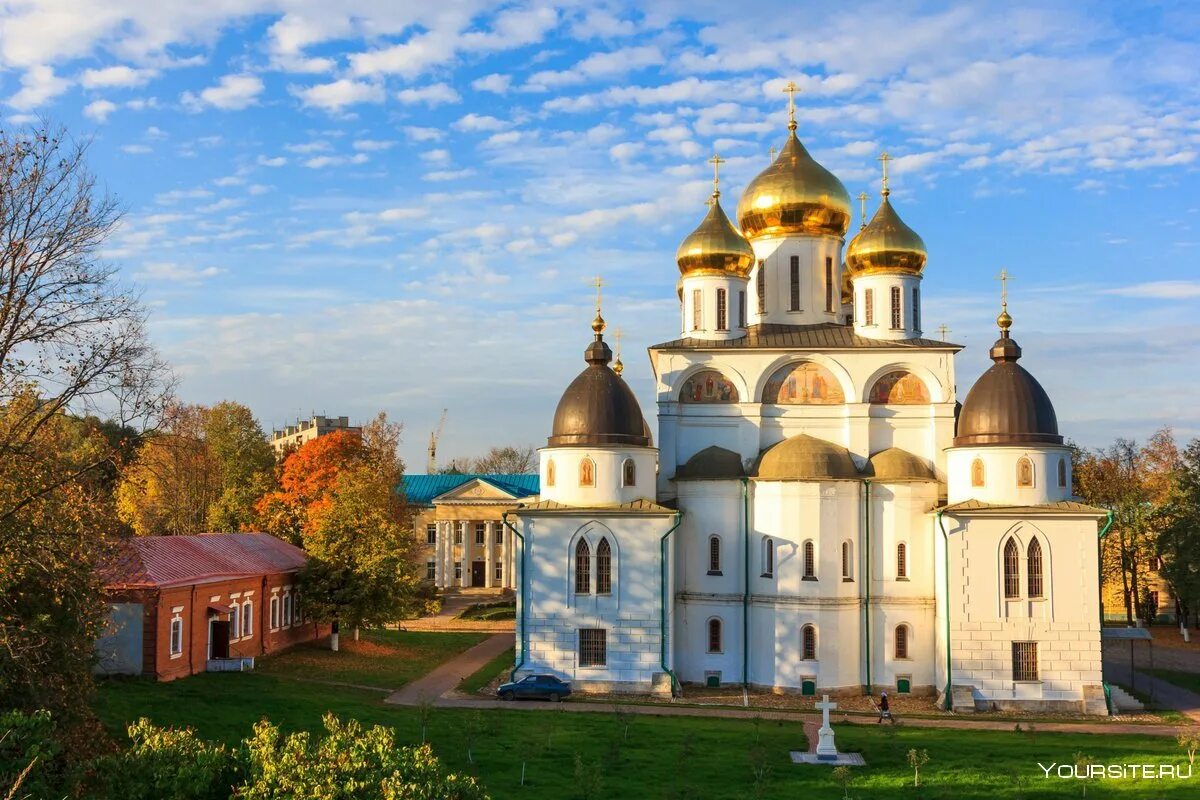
(826, 749)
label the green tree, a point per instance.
(1179, 537)
(245, 463)
(360, 569)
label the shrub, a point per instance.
(31, 757)
(167, 764)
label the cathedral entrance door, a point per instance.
(477, 576)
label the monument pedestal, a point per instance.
(826, 751)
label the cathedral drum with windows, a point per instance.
(841, 526)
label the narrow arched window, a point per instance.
(550, 472)
(847, 562)
(714, 555)
(897, 319)
(714, 636)
(583, 568)
(977, 472)
(587, 472)
(722, 311)
(1012, 577)
(901, 641)
(247, 619)
(603, 568)
(808, 638)
(1024, 472)
(902, 561)
(1062, 473)
(1034, 567)
(810, 561)
(868, 307)
(769, 558)
(629, 473)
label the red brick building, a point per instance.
(179, 605)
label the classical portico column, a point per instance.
(489, 538)
(448, 554)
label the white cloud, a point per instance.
(277, 161)
(320, 162)
(448, 175)
(318, 146)
(435, 94)
(1160, 290)
(335, 96)
(419, 134)
(175, 195)
(373, 145)
(39, 85)
(496, 83)
(99, 110)
(480, 122)
(136, 149)
(232, 93)
(116, 77)
(437, 156)
(169, 272)
(598, 66)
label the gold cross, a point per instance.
(774, 150)
(885, 158)
(716, 161)
(862, 217)
(1004, 278)
(598, 283)
(942, 330)
(790, 90)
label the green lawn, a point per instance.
(501, 664)
(490, 611)
(664, 757)
(384, 659)
(1187, 680)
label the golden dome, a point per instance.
(886, 245)
(794, 195)
(715, 247)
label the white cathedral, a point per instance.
(820, 513)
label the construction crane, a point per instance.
(436, 434)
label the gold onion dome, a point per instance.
(715, 247)
(886, 245)
(794, 195)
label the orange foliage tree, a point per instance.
(306, 481)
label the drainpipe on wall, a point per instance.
(1108, 523)
(746, 585)
(662, 617)
(512, 676)
(867, 580)
(946, 564)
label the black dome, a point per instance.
(1006, 405)
(598, 407)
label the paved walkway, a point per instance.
(1168, 695)
(448, 675)
(664, 710)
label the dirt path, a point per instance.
(448, 675)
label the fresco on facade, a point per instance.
(899, 388)
(708, 386)
(803, 384)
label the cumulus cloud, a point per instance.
(435, 94)
(116, 77)
(170, 272)
(99, 110)
(232, 93)
(480, 122)
(39, 85)
(337, 95)
(496, 83)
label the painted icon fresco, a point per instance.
(708, 386)
(899, 388)
(803, 384)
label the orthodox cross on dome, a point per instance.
(716, 161)
(942, 330)
(862, 204)
(790, 90)
(618, 367)
(1005, 319)
(884, 158)
(598, 322)
(774, 152)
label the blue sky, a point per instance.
(348, 206)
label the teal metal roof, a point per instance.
(421, 489)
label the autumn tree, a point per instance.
(1178, 542)
(1134, 482)
(507, 460)
(204, 471)
(73, 350)
(306, 480)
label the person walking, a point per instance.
(885, 709)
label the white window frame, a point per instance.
(286, 613)
(235, 622)
(176, 647)
(247, 619)
(275, 612)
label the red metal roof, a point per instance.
(182, 560)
